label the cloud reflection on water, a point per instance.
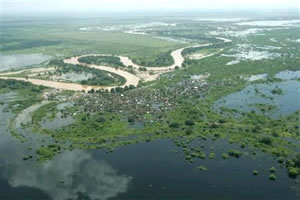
(69, 174)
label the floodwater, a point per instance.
(251, 55)
(151, 74)
(261, 93)
(271, 23)
(287, 75)
(18, 61)
(75, 77)
(142, 171)
(60, 120)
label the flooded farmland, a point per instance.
(18, 61)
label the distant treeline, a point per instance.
(188, 34)
(27, 44)
(163, 59)
(191, 50)
(20, 85)
(99, 77)
(112, 61)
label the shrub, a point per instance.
(189, 123)
(202, 168)
(293, 172)
(201, 155)
(272, 170)
(214, 125)
(222, 121)
(131, 87)
(174, 125)
(280, 159)
(131, 119)
(92, 91)
(225, 155)
(234, 153)
(272, 177)
(255, 172)
(212, 155)
(297, 161)
(189, 132)
(100, 119)
(266, 140)
(275, 134)
(277, 91)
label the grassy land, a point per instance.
(69, 41)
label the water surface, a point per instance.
(140, 171)
(17, 61)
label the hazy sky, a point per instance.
(126, 5)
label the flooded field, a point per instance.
(245, 52)
(18, 61)
(59, 120)
(75, 77)
(143, 171)
(248, 99)
(271, 23)
(150, 106)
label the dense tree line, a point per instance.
(113, 90)
(19, 85)
(99, 77)
(102, 60)
(189, 34)
(191, 50)
(163, 59)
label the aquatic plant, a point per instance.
(202, 168)
(225, 155)
(272, 170)
(272, 177)
(293, 172)
(234, 153)
(255, 172)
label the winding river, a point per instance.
(151, 74)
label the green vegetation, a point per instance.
(204, 50)
(255, 172)
(272, 177)
(202, 168)
(48, 152)
(234, 153)
(277, 91)
(272, 170)
(112, 61)
(175, 106)
(60, 42)
(212, 156)
(293, 172)
(28, 44)
(28, 92)
(99, 77)
(225, 156)
(163, 59)
(293, 166)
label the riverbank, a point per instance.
(138, 75)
